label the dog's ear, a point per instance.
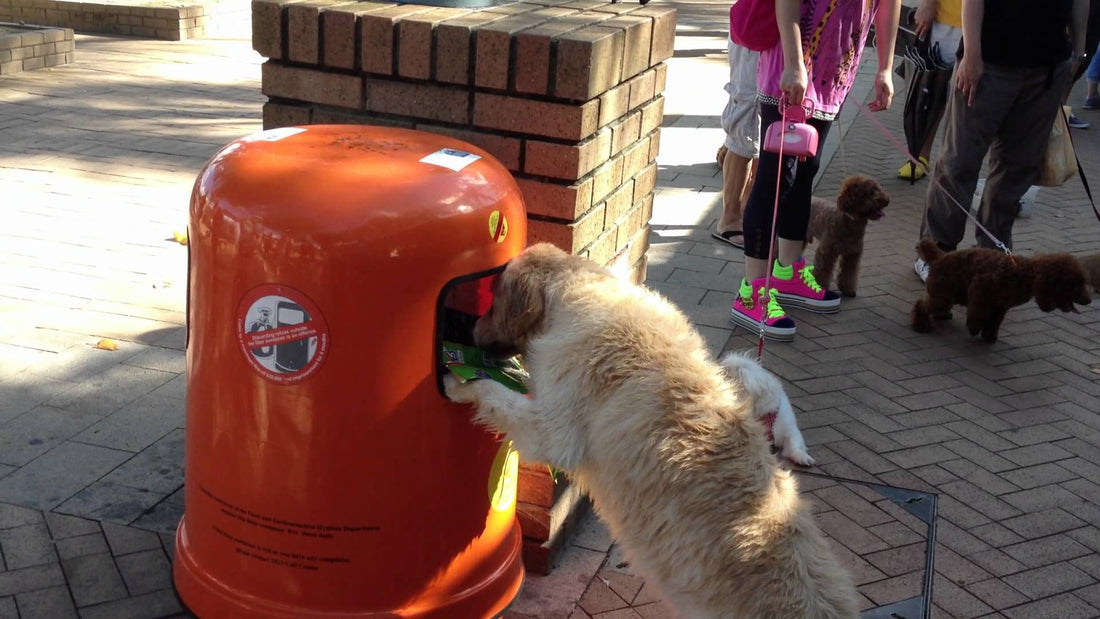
(524, 295)
(519, 300)
(1059, 283)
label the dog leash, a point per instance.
(932, 178)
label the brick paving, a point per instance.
(97, 160)
(96, 164)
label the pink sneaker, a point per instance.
(751, 304)
(796, 287)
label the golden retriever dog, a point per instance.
(625, 398)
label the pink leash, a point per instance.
(931, 177)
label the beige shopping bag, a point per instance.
(1059, 163)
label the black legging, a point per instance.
(795, 190)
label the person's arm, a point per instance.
(793, 81)
(886, 36)
(924, 17)
(969, 71)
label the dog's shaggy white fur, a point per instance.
(770, 404)
(625, 398)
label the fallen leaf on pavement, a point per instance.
(107, 344)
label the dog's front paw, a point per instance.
(458, 391)
(848, 293)
(799, 457)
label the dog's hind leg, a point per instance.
(848, 274)
(520, 419)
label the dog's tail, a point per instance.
(929, 251)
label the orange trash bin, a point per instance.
(327, 476)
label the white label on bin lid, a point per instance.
(282, 333)
(451, 158)
(274, 135)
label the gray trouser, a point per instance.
(1011, 119)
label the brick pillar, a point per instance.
(565, 93)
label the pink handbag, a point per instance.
(791, 133)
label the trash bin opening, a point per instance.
(462, 301)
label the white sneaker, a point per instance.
(920, 267)
(1027, 200)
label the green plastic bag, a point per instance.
(469, 363)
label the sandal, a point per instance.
(727, 237)
(910, 172)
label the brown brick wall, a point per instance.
(172, 24)
(564, 93)
(567, 94)
(35, 48)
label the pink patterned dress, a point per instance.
(833, 34)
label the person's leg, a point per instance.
(1092, 80)
(794, 279)
(1018, 149)
(758, 210)
(795, 213)
(736, 171)
(970, 131)
(741, 122)
(752, 303)
(747, 188)
(1092, 36)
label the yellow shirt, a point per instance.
(950, 12)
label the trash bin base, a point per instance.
(208, 599)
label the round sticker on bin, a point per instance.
(281, 333)
(498, 226)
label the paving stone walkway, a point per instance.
(97, 160)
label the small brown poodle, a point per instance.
(989, 282)
(839, 230)
(1091, 264)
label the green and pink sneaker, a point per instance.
(753, 302)
(796, 287)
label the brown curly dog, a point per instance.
(839, 230)
(989, 282)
